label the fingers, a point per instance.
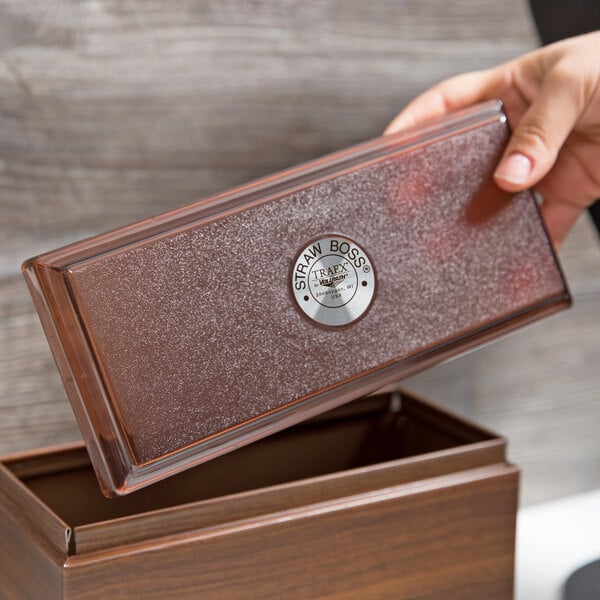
(559, 217)
(567, 191)
(547, 95)
(541, 132)
(451, 94)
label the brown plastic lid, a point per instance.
(189, 334)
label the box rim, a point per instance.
(141, 527)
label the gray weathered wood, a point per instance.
(112, 111)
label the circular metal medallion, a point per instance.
(333, 281)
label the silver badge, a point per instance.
(333, 281)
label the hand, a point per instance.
(552, 99)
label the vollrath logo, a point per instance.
(333, 281)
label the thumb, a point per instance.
(538, 137)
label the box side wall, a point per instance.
(33, 543)
(78, 370)
(27, 569)
(220, 510)
(455, 541)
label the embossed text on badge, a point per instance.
(333, 281)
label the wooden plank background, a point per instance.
(112, 111)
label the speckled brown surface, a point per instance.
(197, 331)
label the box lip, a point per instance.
(87, 537)
(97, 553)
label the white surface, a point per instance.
(553, 540)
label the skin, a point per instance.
(552, 99)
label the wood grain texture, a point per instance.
(332, 551)
(435, 521)
(110, 112)
(313, 462)
(28, 572)
(33, 543)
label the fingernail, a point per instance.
(514, 168)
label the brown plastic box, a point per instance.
(386, 497)
(192, 333)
